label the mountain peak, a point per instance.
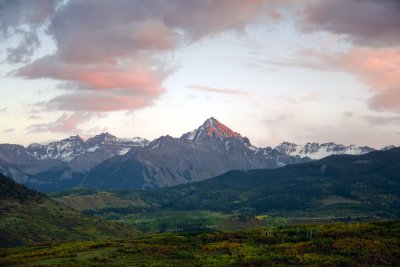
(211, 128)
(211, 120)
(73, 138)
(106, 135)
(215, 128)
(103, 137)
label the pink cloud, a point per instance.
(387, 100)
(139, 77)
(100, 88)
(274, 14)
(379, 69)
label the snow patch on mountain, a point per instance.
(74, 146)
(317, 151)
(388, 147)
(124, 151)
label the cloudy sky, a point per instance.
(291, 70)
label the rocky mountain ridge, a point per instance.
(74, 146)
(209, 150)
(318, 151)
(110, 162)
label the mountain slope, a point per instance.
(344, 185)
(16, 162)
(27, 216)
(10, 190)
(210, 150)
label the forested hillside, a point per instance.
(27, 217)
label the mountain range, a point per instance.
(105, 161)
(62, 163)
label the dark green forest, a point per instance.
(28, 217)
(342, 185)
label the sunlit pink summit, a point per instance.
(211, 128)
(217, 129)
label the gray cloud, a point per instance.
(98, 101)
(93, 30)
(29, 42)
(229, 91)
(380, 120)
(21, 20)
(34, 117)
(364, 22)
(17, 12)
(64, 124)
(312, 97)
(348, 114)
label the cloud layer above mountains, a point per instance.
(107, 50)
(111, 55)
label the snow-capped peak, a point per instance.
(102, 138)
(211, 128)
